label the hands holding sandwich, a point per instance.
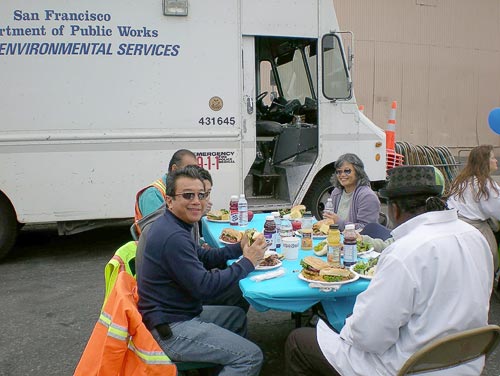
(254, 246)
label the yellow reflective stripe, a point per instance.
(121, 333)
(158, 184)
(149, 357)
(114, 330)
(105, 319)
(118, 332)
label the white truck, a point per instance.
(97, 96)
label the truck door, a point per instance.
(248, 107)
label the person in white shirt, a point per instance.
(434, 280)
(476, 196)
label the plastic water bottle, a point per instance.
(286, 229)
(328, 206)
(350, 245)
(277, 237)
(242, 211)
(233, 211)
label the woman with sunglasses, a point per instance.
(353, 199)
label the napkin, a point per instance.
(272, 274)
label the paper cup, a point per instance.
(290, 247)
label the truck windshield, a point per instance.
(293, 78)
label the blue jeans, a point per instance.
(214, 336)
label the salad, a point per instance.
(366, 268)
(363, 247)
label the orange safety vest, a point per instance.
(120, 344)
(158, 184)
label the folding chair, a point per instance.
(453, 350)
(139, 225)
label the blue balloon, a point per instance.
(494, 120)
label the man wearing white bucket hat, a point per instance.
(434, 280)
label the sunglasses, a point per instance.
(347, 171)
(189, 196)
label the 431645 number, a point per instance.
(210, 120)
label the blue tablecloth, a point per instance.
(289, 293)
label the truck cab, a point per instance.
(305, 110)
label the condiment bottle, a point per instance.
(350, 245)
(277, 236)
(242, 211)
(333, 244)
(270, 232)
(233, 210)
(307, 241)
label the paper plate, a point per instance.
(327, 284)
(218, 220)
(258, 267)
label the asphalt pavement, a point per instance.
(52, 290)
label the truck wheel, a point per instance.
(8, 226)
(318, 193)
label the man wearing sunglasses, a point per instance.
(176, 275)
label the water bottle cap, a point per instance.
(275, 214)
(234, 197)
(242, 195)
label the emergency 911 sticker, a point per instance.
(212, 160)
(220, 120)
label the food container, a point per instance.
(290, 247)
(307, 241)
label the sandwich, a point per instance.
(300, 207)
(334, 274)
(218, 215)
(252, 234)
(322, 227)
(230, 235)
(311, 266)
(297, 211)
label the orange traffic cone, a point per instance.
(390, 131)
